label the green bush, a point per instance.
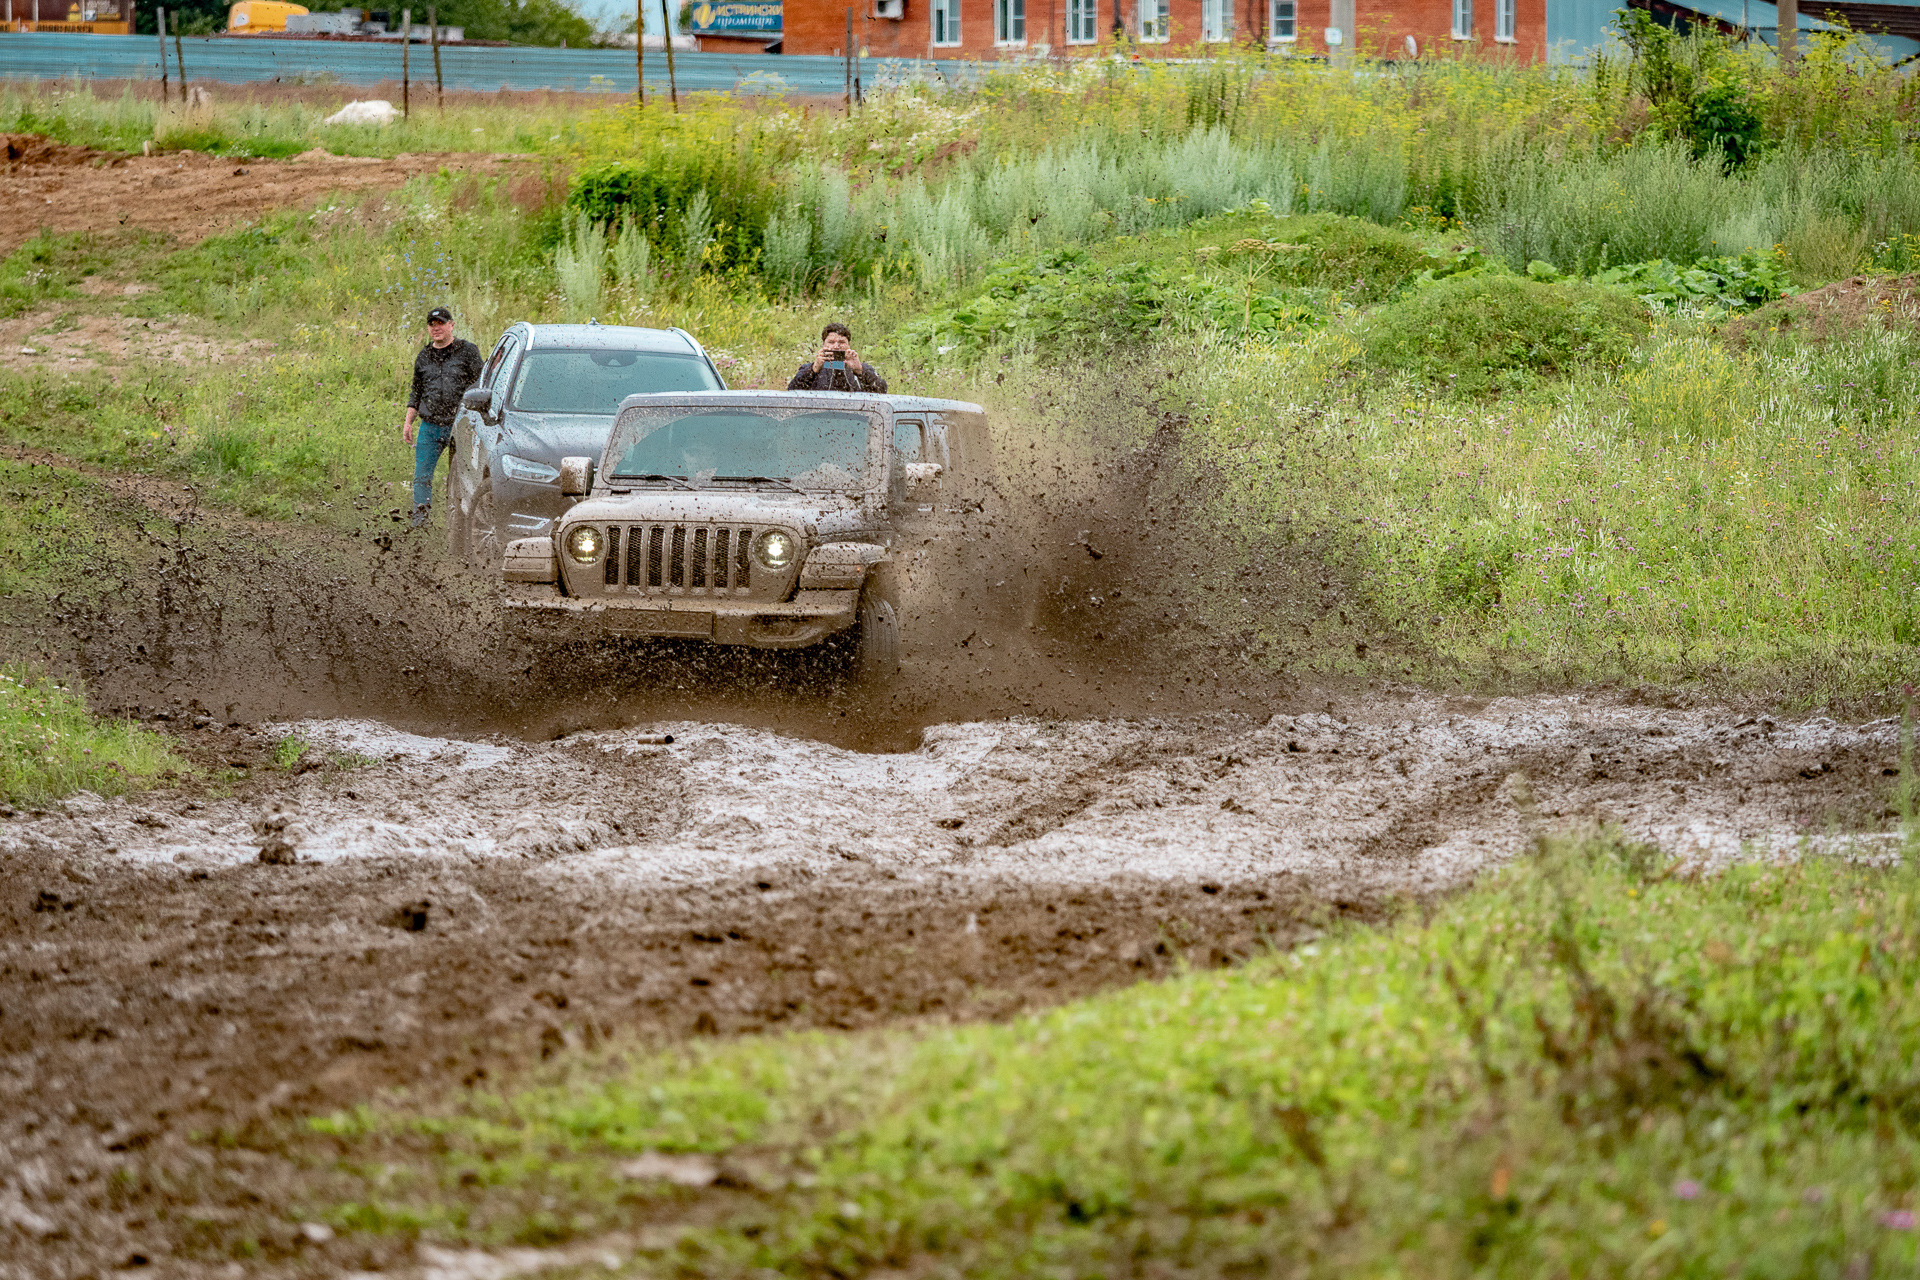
(1365, 262)
(1477, 331)
(698, 204)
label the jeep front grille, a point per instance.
(708, 559)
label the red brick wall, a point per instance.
(819, 26)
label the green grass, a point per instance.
(1594, 1063)
(80, 117)
(50, 746)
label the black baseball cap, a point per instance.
(439, 315)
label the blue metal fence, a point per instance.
(50, 55)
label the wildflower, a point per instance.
(1686, 1189)
(1898, 1220)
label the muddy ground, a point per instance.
(399, 909)
(184, 195)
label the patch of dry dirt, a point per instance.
(1843, 307)
(184, 195)
(453, 911)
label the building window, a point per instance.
(1154, 22)
(1009, 21)
(1503, 19)
(946, 22)
(1216, 20)
(1280, 18)
(1463, 19)
(1083, 21)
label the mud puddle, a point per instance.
(436, 911)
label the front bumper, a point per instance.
(807, 619)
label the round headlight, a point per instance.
(585, 543)
(774, 549)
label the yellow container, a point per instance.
(261, 15)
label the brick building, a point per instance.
(1009, 28)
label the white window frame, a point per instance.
(1216, 21)
(1009, 23)
(944, 15)
(1283, 13)
(1083, 21)
(1505, 19)
(1463, 19)
(1156, 21)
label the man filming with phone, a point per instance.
(837, 366)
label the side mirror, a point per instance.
(576, 477)
(478, 399)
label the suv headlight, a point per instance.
(527, 470)
(774, 548)
(585, 544)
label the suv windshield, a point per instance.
(803, 448)
(561, 381)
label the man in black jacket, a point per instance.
(442, 372)
(837, 366)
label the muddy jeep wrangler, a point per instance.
(772, 519)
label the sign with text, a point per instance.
(737, 18)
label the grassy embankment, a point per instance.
(1634, 497)
(1594, 1063)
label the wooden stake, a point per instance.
(439, 87)
(406, 47)
(848, 51)
(179, 59)
(160, 20)
(673, 90)
(1788, 35)
(640, 51)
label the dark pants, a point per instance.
(429, 440)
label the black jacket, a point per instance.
(865, 378)
(441, 375)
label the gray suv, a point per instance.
(771, 519)
(547, 392)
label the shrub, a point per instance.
(1687, 389)
(1476, 331)
(676, 174)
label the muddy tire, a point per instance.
(875, 654)
(479, 537)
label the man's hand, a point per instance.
(406, 431)
(853, 360)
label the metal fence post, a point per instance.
(640, 51)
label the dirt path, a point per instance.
(183, 195)
(436, 911)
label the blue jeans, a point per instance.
(429, 439)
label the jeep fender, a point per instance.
(840, 566)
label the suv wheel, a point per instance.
(876, 644)
(480, 539)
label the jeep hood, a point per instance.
(814, 515)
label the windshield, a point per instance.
(559, 381)
(803, 448)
